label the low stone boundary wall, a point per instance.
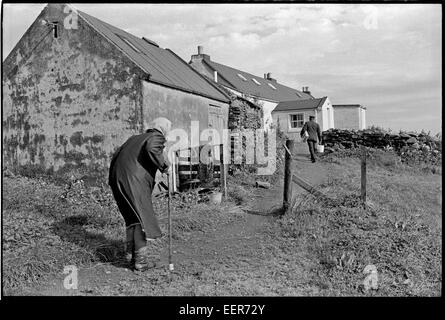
(335, 139)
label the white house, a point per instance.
(350, 116)
(290, 116)
(264, 91)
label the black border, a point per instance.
(275, 307)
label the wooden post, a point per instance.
(363, 175)
(222, 171)
(287, 192)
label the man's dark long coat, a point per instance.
(132, 178)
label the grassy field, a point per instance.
(321, 248)
(400, 232)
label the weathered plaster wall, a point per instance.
(68, 101)
(181, 108)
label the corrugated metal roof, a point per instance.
(163, 66)
(267, 89)
(300, 104)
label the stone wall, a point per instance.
(335, 139)
(243, 114)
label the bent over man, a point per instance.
(132, 178)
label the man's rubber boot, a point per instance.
(145, 259)
(146, 250)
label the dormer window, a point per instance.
(242, 77)
(272, 86)
(256, 82)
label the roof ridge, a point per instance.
(250, 74)
(200, 75)
(290, 105)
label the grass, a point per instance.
(48, 226)
(400, 232)
(321, 248)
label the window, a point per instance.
(242, 77)
(272, 86)
(254, 80)
(296, 120)
(298, 94)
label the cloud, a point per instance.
(378, 55)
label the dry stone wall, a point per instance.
(411, 146)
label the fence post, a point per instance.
(222, 171)
(363, 175)
(287, 192)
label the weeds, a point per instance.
(399, 232)
(321, 248)
(48, 226)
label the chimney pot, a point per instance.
(200, 49)
(269, 76)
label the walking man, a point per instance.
(132, 178)
(313, 130)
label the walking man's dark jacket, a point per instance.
(313, 129)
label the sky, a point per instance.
(387, 57)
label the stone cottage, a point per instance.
(75, 88)
(350, 116)
(265, 91)
(290, 116)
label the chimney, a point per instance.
(215, 76)
(268, 76)
(200, 56)
(306, 90)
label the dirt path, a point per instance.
(236, 259)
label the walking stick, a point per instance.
(171, 267)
